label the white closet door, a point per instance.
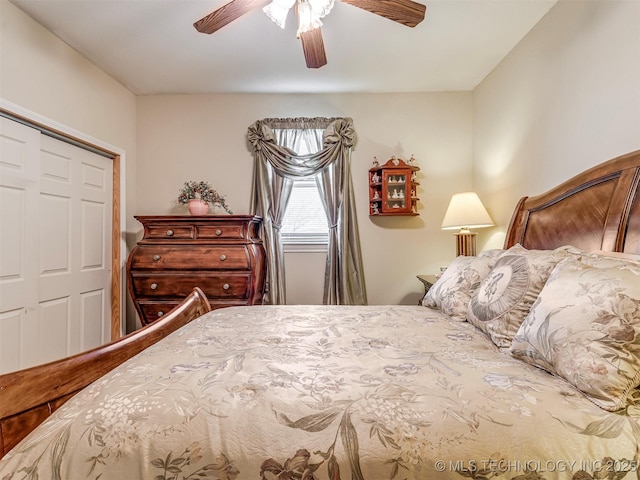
(55, 234)
(19, 152)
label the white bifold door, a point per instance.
(55, 247)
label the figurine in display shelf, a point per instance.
(395, 161)
(375, 178)
(397, 194)
(374, 209)
(375, 162)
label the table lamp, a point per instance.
(466, 211)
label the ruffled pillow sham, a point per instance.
(585, 328)
(504, 298)
(453, 290)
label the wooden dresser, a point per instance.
(221, 254)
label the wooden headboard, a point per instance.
(598, 209)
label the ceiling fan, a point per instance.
(309, 12)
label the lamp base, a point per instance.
(465, 244)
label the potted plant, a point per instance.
(199, 195)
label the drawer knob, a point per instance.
(223, 257)
(218, 232)
(154, 286)
(225, 286)
(169, 233)
(160, 313)
(156, 258)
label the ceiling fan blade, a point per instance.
(313, 47)
(227, 14)
(407, 12)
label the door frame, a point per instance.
(118, 200)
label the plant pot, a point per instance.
(198, 207)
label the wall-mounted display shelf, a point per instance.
(393, 188)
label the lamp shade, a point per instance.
(466, 211)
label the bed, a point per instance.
(522, 362)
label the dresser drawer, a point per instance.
(196, 257)
(155, 310)
(220, 232)
(169, 232)
(218, 285)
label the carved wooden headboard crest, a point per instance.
(599, 209)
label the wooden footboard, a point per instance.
(28, 397)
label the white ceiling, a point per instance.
(151, 47)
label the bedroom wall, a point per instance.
(43, 74)
(566, 98)
(204, 137)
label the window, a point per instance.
(304, 226)
(305, 221)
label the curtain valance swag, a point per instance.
(339, 134)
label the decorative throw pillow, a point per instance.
(609, 259)
(452, 291)
(585, 328)
(494, 253)
(504, 298)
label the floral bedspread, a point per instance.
(313, 392)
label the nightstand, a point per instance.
(427, 281)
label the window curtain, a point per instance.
(275, 168)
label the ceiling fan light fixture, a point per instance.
(309, 13)
(309, 17)
(321, 8)
(278, 10)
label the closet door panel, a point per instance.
(75, 218)
(19, 153)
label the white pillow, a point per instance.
(452, 291)
(585, 327)
(602, 258)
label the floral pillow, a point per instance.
(607, 259)
(452, 291)
(585, 328)
(504, 298)
(493, 254)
